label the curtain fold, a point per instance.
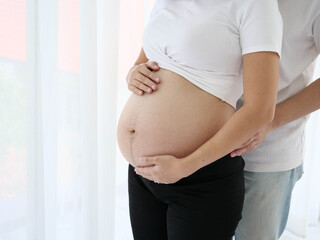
(46, 84)
(88, 119)
(108, 13)
(68, 81)
(33, 215)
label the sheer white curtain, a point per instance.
(59, 66)
(58, 75)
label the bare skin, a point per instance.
(152, 125)
(299, 105)
(166, 166)
(165, 122)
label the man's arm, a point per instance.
(299, 105)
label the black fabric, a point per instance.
(206, 205)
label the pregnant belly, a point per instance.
(176, 119)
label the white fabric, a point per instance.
(57, 167)
(303, 222)
(283, 149)
(204, 40)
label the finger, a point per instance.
(151, 79)
(233, 153)
(147, 82)
(147, 161)
(146, 172)
(249, 140)
(135, 90)
(153, 65)
(138, 84)
(246, 149)
(238, 152)
(246, 142)
(151, 75)
(147, 177)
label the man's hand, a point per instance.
(141, 78)
(253, 142)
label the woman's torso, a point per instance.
(182, 114)
(198, 48)
(176, 119)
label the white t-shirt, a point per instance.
(204, 40)
(283, 149)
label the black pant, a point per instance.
(206, 205)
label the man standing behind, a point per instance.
(275, 162)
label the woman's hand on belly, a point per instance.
(165, 169)
(141, 78)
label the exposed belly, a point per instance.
(176, 119)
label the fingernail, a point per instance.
(149, 90)
(154, 87)
(140, 92)
(157, 79)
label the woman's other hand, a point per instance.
(165, 169)
(142, 78)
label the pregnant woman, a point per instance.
(183, 185)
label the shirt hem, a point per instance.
(270, 167)
(227, 98)
(261, 48)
